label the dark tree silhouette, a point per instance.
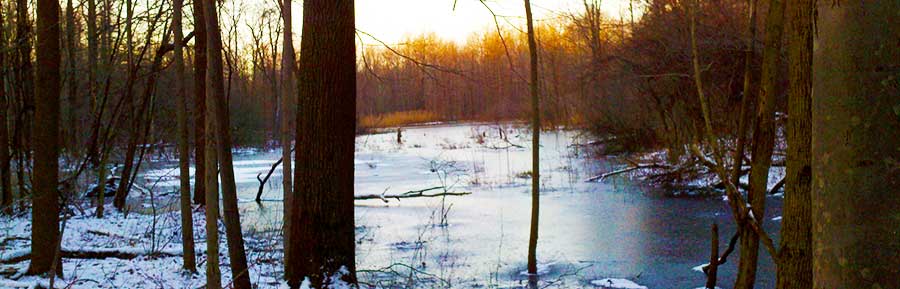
(45, 212)
(323, 222)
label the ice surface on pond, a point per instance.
(588, 231)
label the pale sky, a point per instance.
(393, 20)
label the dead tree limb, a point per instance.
(778, 186)
(262, 182)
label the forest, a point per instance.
(671, 144)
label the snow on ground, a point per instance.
(617, 283)
(134, 233)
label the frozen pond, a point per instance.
(588, 231)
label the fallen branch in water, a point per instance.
(262, 182)
(625, 170)
(385, 197)
(411, 194)
(777, 186)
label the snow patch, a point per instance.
(699, 268)
(617, 283)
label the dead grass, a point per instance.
(399, 118)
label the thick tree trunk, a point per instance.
(219, 114)
(199, 119)
(184, 151)
(288, 65)
(323, 220)
(535, 143)
(794, 270)
(856, 129)
(45, 211)
(763, 143)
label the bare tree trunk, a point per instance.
(6, 197)
(288, 67)
(219, 113)
(855, 132)
(45, 211)
(184, 151)
(213, 274)
(26, 82)
(741, 135)
(199, 118)
(92, 56)
(794, 270)
(322, 233)
(535, 143)
(101, 183)
(128, 163)
(713, 270)
(71, 134)
(763, 143)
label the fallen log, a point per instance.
(88, 253)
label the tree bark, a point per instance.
(184, 152)
(288, 65)
(535, 143)
(323, 220)
(199, 118)
(45, 211)
(855, 132)
(219, 114)
(763, 143)
(794, 270)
